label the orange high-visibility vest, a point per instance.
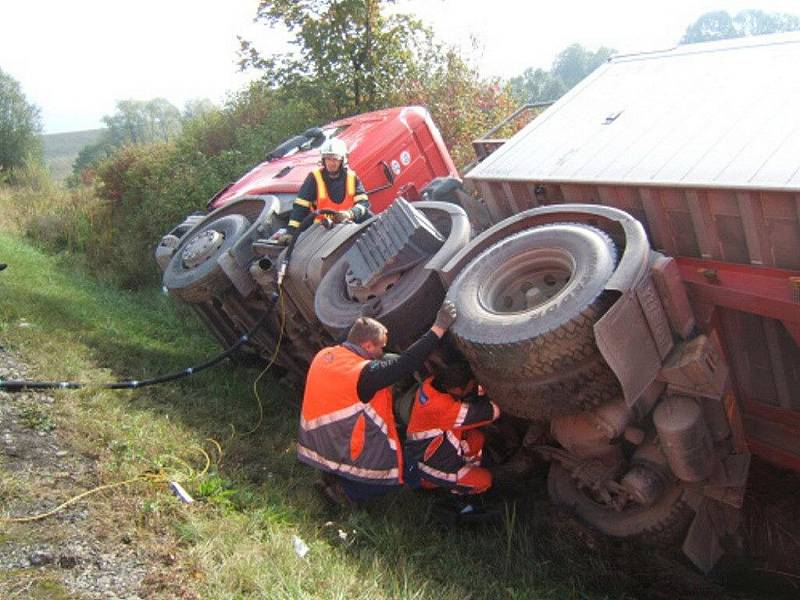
(341, 434)
(324, 201)
(443, 440)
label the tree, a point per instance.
(197, 108)
(536, 86)
(349, 55)
(138, 122)
(569, 67)
(20, 126)
(575, 62)
(719, 25)
(88, 158)
(134, 122)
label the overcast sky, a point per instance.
(76, 58)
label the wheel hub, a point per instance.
(526, 284)
(201, 247)
(360, 293)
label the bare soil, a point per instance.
(89, 549)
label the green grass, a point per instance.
(38, 418)
(237, 539)
(43, 587)
(61, 149)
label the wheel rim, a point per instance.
(527, 281)
(202, 247)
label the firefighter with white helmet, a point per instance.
(334, 148)
(332, 187)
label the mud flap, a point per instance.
(626, 343)
(717, 512)
(713, 522)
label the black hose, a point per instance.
(23, 385)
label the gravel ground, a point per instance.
(32, 453)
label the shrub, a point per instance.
(151, 188)
(55, 219)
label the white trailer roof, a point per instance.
(720, 114)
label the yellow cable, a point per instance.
(206, 467)
(150, 477)
(269, 365)
(71, 501)
(160, 477)
(218, 447)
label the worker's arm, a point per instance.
(302, 205)
(388, 370)
(472, 415)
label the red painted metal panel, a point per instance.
(774, 455)
(777, 425)
(787, 418)
(768, 431)
(757, 290)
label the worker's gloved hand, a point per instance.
(341, 216)
(446, 315)
(326, 222)
(284, 239)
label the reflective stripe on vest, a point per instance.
(436, 428)
(340, 433)
(324, 201)
(433, 412)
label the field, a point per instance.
(61, 150)
(257, 528)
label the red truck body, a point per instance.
(401, 141)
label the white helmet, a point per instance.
(334, 147)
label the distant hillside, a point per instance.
(61, 149)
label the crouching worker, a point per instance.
(443, 441)
(347, 425)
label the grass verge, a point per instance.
(254, 501)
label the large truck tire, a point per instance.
(406, 309)
(405, 304)
(582, 387)
(193, 274)
(664, 522)
(527, 305)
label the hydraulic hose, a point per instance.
(23, 385)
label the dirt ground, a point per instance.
(86, 551)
